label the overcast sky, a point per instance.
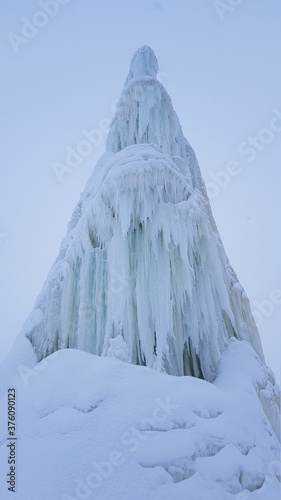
(64, 63)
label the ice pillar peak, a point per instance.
(144, 63)
(145, 115)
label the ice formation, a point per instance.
(142, 278)
(142, 258)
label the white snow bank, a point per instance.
(92, 427)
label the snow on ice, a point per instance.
(97, 427)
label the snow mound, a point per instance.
(93, 427)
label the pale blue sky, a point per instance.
(223, 75)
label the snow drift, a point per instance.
(96, 427)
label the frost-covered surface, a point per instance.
(142, 257)
(93, 427)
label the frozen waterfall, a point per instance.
(142, 259)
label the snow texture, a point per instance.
(92, 427)
(142, 257)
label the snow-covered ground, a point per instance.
(90, 427)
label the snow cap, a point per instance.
(144, 63)
(144, 113)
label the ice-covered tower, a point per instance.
(142, 261)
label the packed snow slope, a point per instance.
(142, 257)
(91, 427)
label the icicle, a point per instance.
(142, 270)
